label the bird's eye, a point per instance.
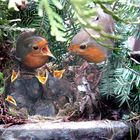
(97, 18)
(35, 47)
(83, 46)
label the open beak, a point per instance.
(14, 75)
(58, 73)
(42, 76)
(11, 100)
(46, 52)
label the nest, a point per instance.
(10, 117)
(85, 80)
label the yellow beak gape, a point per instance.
(14, 75)
(11, 100)
(58, 73)
(42, 76)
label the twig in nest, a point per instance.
(7, 118)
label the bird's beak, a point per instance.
(73, 48)
(70, 48)
(58, 73)
(14, 75)
(46, 52)
(11, 100)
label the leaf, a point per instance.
(1, 75)
(56, 22)
(57, 4)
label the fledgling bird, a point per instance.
(85, 46)
(32, 50)
(33, 89)
(25, 86)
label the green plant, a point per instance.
(1, 83)
(122, 78)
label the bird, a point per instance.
(32, 87)
(85, 46)
(32, 50)
(134, 47)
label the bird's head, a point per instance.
(84, 46)
(32, 50)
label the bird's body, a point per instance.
(85, 46)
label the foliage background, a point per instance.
(60, 20)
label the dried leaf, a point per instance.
(90, 77)
(84, 66)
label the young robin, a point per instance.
(85, 46)
(32, 50)
(31, 89)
